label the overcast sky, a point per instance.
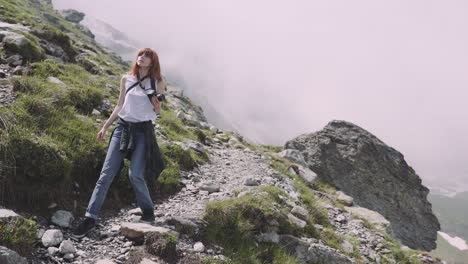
(276, 69)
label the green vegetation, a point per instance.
(308, 198)
(233, 224)
(163, 245)
(173, 128)
(18, 234)
(331, 238)
(399, 255)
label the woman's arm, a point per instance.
(154, 99)
(119, 105)
(160, 88)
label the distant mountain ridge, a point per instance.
(112, 38)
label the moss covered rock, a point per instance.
(18, 234)
(22, 44)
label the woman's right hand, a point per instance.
(102, 132)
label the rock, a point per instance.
(213, 129)
(375, 175)
(296, 221)
(67, 247)
(62, 218)
(135, 211)
(199, 247)
(180, 115)
(251, 182)
(341, 219)
(210, 188)
(294, 156)
(89, 65)
(40, 233)
(52, 251)
(270, 237)
(372, 217)
(105, 261)
(190, 144)
(147, 261)
(184, 226)
(72, 15)
(95, 112)
(88, 33)
(343, 198)
(54, 51)
(8, 214)
(347, 246)
(52, 237)
(55, 80)
(16, 43)
(138, 230)
(300, 212)
(68, 256)
(15, 60)
(311, 252)
(8, 256)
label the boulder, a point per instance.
(375, 175)
(343, 198)
(72, 15)
(7, 214)
(62, 218)
(138, 230)
(8, 256)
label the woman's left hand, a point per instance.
(156, 104)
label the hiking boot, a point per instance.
(84, 227)
(148, 216)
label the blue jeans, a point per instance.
(110, 168)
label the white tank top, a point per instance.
(137, 107)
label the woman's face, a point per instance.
(143, 61)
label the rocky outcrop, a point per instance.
(72, 15)
(374, 174)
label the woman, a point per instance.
(132, 138)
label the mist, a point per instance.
(275, 69)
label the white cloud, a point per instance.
(276, 69)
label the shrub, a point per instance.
(233, 223)
(18, 234)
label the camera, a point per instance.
(152, 93)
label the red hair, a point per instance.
(154, 70)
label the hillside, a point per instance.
(221, 199)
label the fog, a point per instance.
(277, 69)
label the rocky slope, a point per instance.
(374, 174)
(220, 199)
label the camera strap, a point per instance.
(135, 84)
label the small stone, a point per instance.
(296, 221)
(136, 211)
(252, 182)
(69, 256)
(210, 188)
(199, 247)
(67, 247)
(128, 244)
(300, 212)
(340, 219)
(52, 251)
(40, 233)
(343, 198)
(62, 218)
(52, 237)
